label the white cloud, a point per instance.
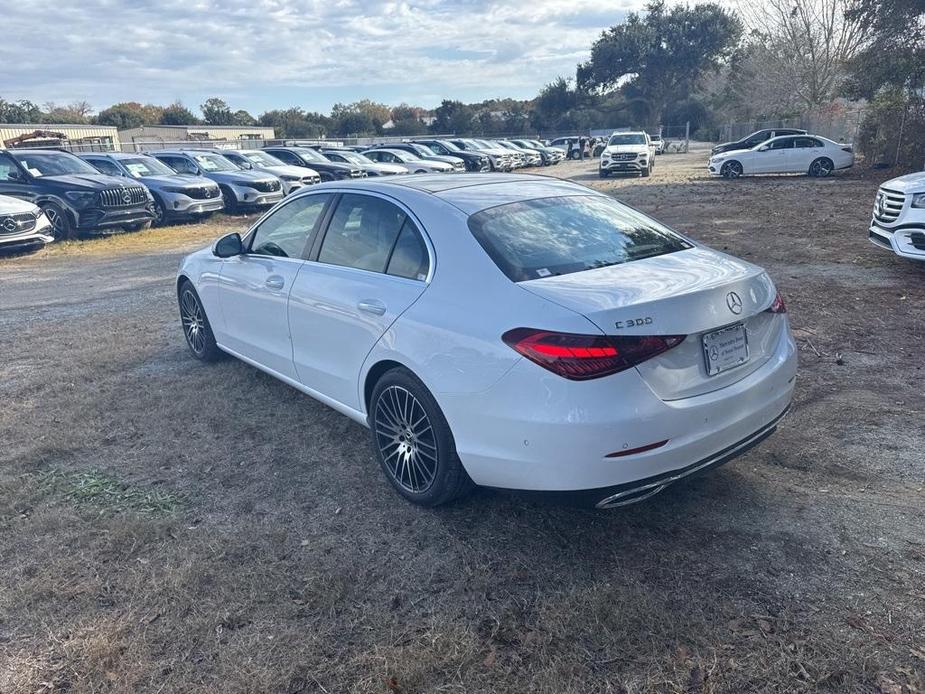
(260, 54)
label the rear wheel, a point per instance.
(61, 225)
(196, 326)
(821, 167)
(413, 441)
(731, 169)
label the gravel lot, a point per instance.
(172, 527)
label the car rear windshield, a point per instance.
(539, 238)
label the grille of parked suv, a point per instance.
(888, 205)
(267, 186)
(123, 197)
(623, 156)
(17, 223)
(202, 193)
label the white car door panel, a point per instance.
(344, 300)
(255, 286)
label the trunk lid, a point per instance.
(691, 292)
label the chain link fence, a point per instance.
(841, 124)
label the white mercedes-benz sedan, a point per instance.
(806, 154)
(519, 332)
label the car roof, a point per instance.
(470, 194)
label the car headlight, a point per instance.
(918, 200)
(81, 197)
(38, 212)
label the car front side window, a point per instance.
(286, 232)
(362, 233)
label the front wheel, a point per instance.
(62, 228)
(821, 167)
(603, 173)
(160, 212)
(413, 442)
(231, 202)
(731, 169)
(196, 326)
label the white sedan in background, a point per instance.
(807, 154)
(515, 331)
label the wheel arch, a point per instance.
(377, 371)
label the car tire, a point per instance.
(196, 327)
(413, 442)
(160, 212)
(231, 202)
(62, 226)
(646, 172)
(602, 173)
(731, 169)
(420, 171)
(821, 167)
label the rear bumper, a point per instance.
(536, 431)
(907, 241)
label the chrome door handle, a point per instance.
(275, 282)
(372, 306)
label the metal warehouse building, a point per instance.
(77, 138)
(152, 136)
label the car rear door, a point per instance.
(805, 150)
(371, 263)
(254, 287)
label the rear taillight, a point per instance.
(778, 305)
(580, 357)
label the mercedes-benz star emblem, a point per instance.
(126, 196)
(734, 302)
(10, 225)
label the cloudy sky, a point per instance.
(261, 54)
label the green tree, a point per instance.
(555, 101)
(453, 117)
(657, 58)
(22, 111)
(295, 123)
(178, 114)
(216, 112)
(130, 114)
(242, 117)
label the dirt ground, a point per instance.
(167, 526)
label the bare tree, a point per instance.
(807, 43)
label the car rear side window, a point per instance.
(362, 233)
(409, 257)
(539, 238)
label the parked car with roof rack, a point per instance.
(23, 226)
(531, 156)
(898, 221)
(627, 152)
(476, 162)
(293, 178)
(500, 158)
(175, 196)
(240, 189)
(807, 154)
(423, 152)
(409, 161)
(370, 166)
(755, 139)
(550, 155)
(76, 198)
(310, 158)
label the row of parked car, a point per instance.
(47, 195)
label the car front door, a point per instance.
(772, 157)
(13, 180)
(254, 286)
(370, 266)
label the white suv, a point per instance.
(629, 152)
(23, 226)
(898, 222)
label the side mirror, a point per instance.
(228, 246)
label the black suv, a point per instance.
(75, 197)
(474, 160)
(308, 157)
(755, 139)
